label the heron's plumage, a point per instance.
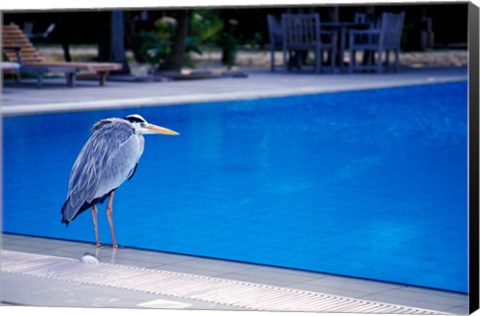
(106, 160)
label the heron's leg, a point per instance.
(95, 225)
(110, 220)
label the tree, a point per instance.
(132, 37)
(174, 59)
(228, 40)
(117, 41)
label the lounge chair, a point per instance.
(18, 48)
(360, 17)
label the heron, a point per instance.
(109, 157)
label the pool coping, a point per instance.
(87, 295)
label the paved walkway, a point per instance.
(55, 96)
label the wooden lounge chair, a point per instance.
(18, 48)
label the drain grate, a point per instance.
(232, 293)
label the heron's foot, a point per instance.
(98, 245)
(115, 245)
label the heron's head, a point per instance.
(141, 126)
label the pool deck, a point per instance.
(55, 96)
(37, 285)
(30, 287)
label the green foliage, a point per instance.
(229, 42)
(230, 48)
(257, 42)
(156, 45)
(205, 27)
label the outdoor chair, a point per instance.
(386, 38)
(427, 34)
(18, 48)
(302, 32)
(360, 17)
(275, 33)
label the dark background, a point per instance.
(449, 21)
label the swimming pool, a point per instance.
(369, 184)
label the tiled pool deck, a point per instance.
(35, 289)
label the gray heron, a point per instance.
(109, 157)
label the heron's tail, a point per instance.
(71, 211)
(66, 212)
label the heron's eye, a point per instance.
(143, 124)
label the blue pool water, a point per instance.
(369, 184)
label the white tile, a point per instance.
(256, 279)
(440, 301)
(357, 285)
(277, 276)
(189, 270)
(329, 290)
(161, 303)
(218, 266)
(429, 295)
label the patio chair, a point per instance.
(18, 48)
(385, 37)
(302, 32)
(360, 17)
(275, 34)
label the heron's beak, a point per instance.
(154, 129)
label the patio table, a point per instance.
(342, 28)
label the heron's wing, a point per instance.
(103, 164)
